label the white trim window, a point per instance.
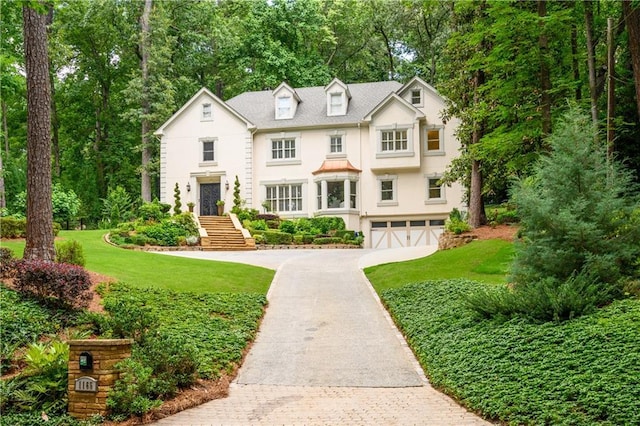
(434, 140)
(416, 97)
(396, 140)
(336, 106)
(435, 191)
(284, 109)
(284, 197)
(283, 149)
(337, 193)
(208, 151)
(207, 111)
(387, 190)
(335, 144)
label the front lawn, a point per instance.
(487, 261)
(143, 269)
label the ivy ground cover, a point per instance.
(580, 372)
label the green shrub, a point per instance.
(277, 237)
(247, 214)
(345, 234)
(22, 321)
(456, 226)
(273, 224)
(508, 216)
(129, 318)
(117, 207)
(260, 239)
(259, 225)
(327, 240)
(358, 241)
(131, 393)
(153, 211)
(42, 385)
(288, 226)
(71, 252)
(185, 220)
(165, 233)
(11, 227)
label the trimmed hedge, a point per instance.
(327, 240)
(277, 237)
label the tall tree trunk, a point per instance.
(145, 41)
(55, 123)
(611, 98)
(545, 77)
(632, 20)
(39, 244)
(477, 216)
(3, 200)
(5, 127)
(574, 61)
(591, 59)
(387, 44)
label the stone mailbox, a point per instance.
(92, 373)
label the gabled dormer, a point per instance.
(337, 98)
(286, 102)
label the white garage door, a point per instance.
(405, 233)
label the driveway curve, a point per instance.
(327, 351)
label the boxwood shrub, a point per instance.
(327, 240)
(277, 237)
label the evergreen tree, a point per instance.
(237, 201)
(580, 220)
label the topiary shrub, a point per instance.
(70, 252)
(64, 284)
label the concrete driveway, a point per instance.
(327, 351)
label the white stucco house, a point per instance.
(371, 153)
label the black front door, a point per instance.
(209, 194)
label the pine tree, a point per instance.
(580, 220)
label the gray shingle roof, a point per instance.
(258, 107)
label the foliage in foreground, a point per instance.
(23, 321)
(580, 227)
(178, 337)
(577, 372)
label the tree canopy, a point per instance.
(507, 69)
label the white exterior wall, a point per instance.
(181, 152)
(247, 154)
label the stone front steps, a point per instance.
(222, 235)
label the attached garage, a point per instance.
(405, 233)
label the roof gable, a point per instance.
(393, 97)
(194, 99)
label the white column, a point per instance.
(323, 187)
(347, 194)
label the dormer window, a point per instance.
(338, 96)
(206, 111)
(284, 107)
(335, 105)
(416, 97)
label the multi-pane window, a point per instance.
(206, 111)
(352, 194)
(282, 149)
(284, 107)
(394, 140)
(386, 190)
(435, 189)
(335, 195)
(433, 140)
(335, 103)
(335, 144)
(416, 97)
(208, 151)
(284, 198)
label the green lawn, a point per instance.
(142, 269)
(487, 261)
